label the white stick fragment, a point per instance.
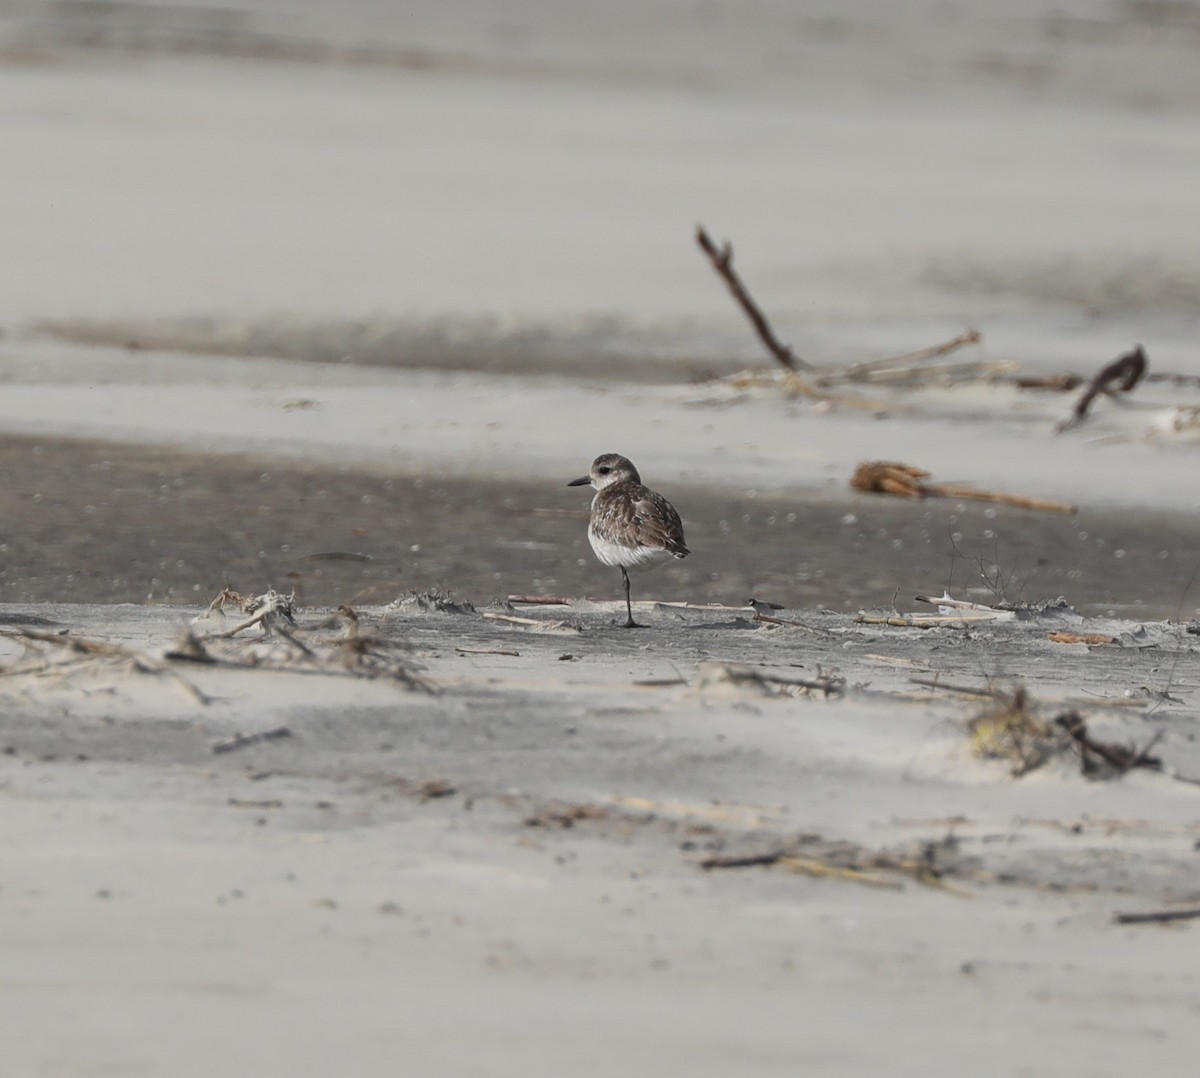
(946, 604)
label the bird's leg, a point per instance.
(630, 624)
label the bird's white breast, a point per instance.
(628, 557)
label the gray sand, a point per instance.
(506, 876)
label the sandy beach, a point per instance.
(335, 300)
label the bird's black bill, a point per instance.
(583, 480)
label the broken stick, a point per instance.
(1156, 916)
(722, 261)
(1119, 376)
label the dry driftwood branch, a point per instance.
(1119, 376)
(908, 481)
(722, 261)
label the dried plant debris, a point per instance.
(908, 481)
(566, 816)
(739, 678)
(337, 646)
(927, 367)
(919, 368)
(913, 369)
(1106, 758)
(930, 863)
(1011, 729)
(61, 654)
(1181, 423)
(243, 741)
(433, 601)
(951, 611)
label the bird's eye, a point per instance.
(604, 471)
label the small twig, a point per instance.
(1143, 757)
(1062, 636)
(295, 641)
(963, 604)
(241, 741)
(1116, 756)
(1156, 916)
(336, 555)
(829, 684)
(1119, 376)
(1173, 379)
(722, 261)
(537, 624)
(811, 867)
(258, 618)
(766, 618)
(1056, 383)
(746, 861)
(957, 604)
(966, 690)
(945, 490)
(876, 366)
(540, 600)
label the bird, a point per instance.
(631, 526)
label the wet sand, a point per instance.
(95, 523)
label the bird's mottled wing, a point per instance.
(657, 523)
(631, 516)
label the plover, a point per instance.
(632, 526)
